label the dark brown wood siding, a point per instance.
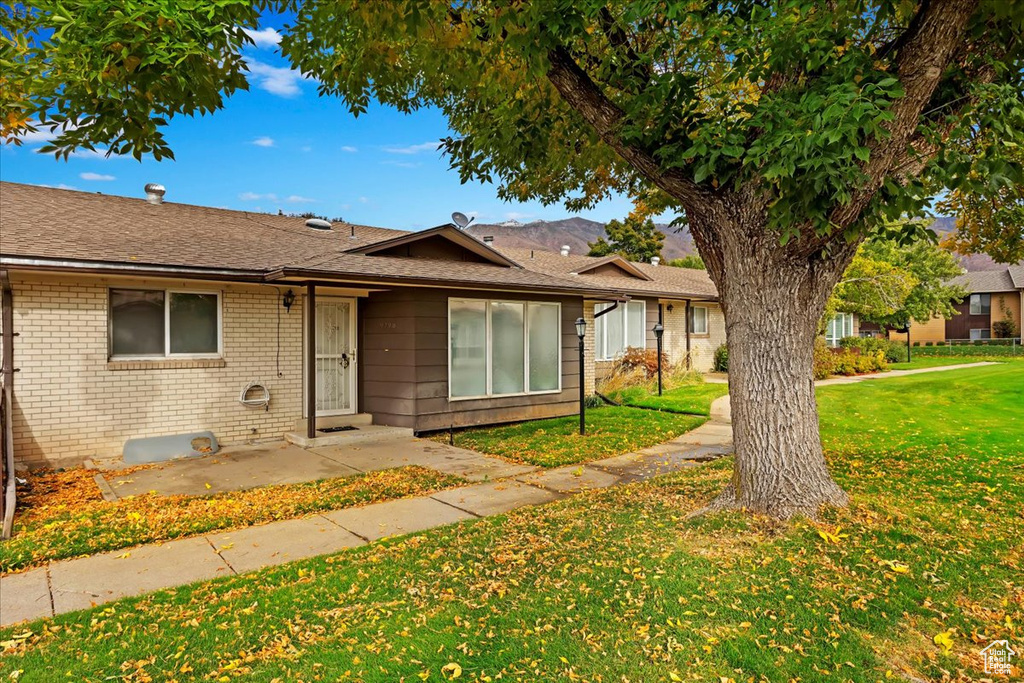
(961, 324)
(404, 364)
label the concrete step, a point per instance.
(361, 433)
(336, 421)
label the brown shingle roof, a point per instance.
(50, 223)
(986, 281)
(46, 223)
(666, 281)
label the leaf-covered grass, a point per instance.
(998, 349)
(63, 515)
(691, 399)
(619, 585)
(554, 442)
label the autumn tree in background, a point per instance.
(635, 238)
(989, 218)
(891, 283)
(785, 131)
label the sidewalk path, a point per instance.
(70, 585)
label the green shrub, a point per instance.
(824, 359)
(851, 358)
(891, 350)
(721, 362)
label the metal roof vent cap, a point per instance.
(488, 239)
(155, 193)
(565, 250)
(655, 260)
(318, 224)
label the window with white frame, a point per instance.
(838, 327)
(157, 323)
(981, 333)
(622, 328)
(981, 304)
(698, 320)
(502, 348)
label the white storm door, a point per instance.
(335, 356)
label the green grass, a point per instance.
(62, 515)
(990, 350)
(924, 361)
(619, 585)
(554, 442)
(691, 399)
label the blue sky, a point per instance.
(281, 146)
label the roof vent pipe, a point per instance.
(488, 239)
(565, 250)
(155, 193)
(655, 260)
(352, 234)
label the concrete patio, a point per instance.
(241, 467)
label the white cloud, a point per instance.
(307, 148)
(349, 148)
(264, 37)
(517, 215)
(276, 80)
(415, 149)
(89, 175)
(364, 200)
(402, 164)
(298, 199)
(254, 196)
(263, 141)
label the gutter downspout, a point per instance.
(689, 361)
(7, 476)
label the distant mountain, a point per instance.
(576, 232)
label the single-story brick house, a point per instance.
(138, 317)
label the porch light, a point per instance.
(581, 328)
(287, 300)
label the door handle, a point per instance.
(344, 360)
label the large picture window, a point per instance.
(503, 348)
(155, 323)
(620, 329)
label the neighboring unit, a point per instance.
(142, 318)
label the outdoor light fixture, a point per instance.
(581, 331)
(287, 300)
(670, 308)
(659, 330)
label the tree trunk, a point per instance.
(773, 298)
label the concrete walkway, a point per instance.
(718, 378)
(70, 585)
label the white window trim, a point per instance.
(167, 355)
(489, 347)
(979, 298)
(694, 332)
(625, 330)
(845, 330)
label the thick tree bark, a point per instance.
(773, 300)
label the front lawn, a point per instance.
(63, 514)
(550, 443)
(690, 399)
(922, 571)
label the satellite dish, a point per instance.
(461, 220)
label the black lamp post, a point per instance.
(659, 330)
(581, 331)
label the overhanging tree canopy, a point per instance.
(785, 130)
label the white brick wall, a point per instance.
(71, 404)
(702, 347)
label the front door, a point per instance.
(335, 356)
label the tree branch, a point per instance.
(636, 73)
(584, 96)
(923, 52)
